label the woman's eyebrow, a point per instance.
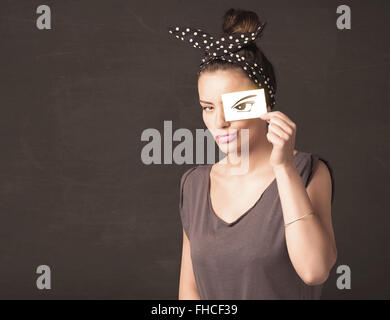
(207, 102)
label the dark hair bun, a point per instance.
(240, 21)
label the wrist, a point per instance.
(285, 167)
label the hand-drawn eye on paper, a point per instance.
(244, 106)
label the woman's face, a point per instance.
(211, 85)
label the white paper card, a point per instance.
(241, 105)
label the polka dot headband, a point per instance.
(225, 48)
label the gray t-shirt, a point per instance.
(248, 258)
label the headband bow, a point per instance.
(225, 48)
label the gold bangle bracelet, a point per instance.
(286, 224)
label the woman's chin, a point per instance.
(228, 147)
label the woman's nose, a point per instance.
(220, 121)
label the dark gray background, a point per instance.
(75, 100)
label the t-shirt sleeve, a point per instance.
(314, 162)
(184, 201)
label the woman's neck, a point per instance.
(255, 161)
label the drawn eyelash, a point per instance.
(237, 106)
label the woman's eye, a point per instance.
(204, 108)
(245, 106)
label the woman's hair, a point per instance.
(239, 21)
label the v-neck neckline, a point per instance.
(210, 206)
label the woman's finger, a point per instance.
(282, 124)
(285, 117)
(274, 128)
(274, 139)
(277, 114)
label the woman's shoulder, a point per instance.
(307, 158)
(195, 174)
(315, 160)
(312, 162)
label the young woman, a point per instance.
(265, 234)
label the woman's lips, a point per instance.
(226, 138)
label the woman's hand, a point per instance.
(281, 133)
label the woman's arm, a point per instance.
(310, 241)
(187, 286)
